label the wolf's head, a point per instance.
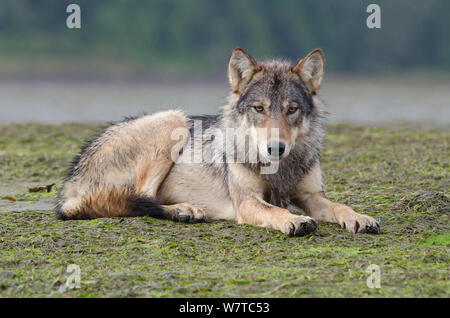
(275, 99)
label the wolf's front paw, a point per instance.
(360, 223)
(187, 213)
(299, 225)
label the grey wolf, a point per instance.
(129, 169)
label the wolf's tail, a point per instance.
(110, 204)
(145, 206)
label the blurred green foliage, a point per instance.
(196, 36)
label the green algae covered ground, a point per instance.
(398, 175)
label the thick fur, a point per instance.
(129, 168)
(108, 178)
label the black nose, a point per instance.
(276, 148)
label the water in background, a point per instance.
(361, 101)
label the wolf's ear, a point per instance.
(241, 68)
(310, 69)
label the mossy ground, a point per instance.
(399, 175)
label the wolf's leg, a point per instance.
(310, 197)
(184, 212)
(148, 184)
(255, 211)
(150, 176)
(246, 191)
(157, 161)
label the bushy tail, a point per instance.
(145, 206)
(109, 204)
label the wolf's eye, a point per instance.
(259, 108)
(292, 109)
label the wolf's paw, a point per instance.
(187, 213)
(360, 223)
(299, 225)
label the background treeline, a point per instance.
(196, 36)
